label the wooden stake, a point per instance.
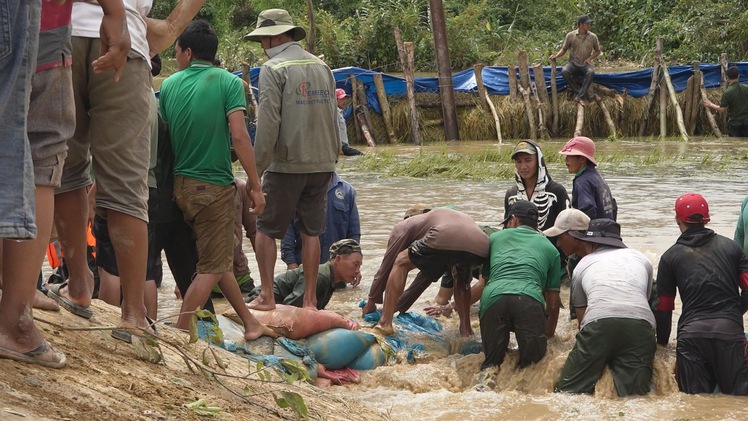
(687, 105)
(580, 120)
(250, 94)
(695, 98)
(364, 109)
(606, 114)
(663, 109)
(652, 85)
(528, 110)
(709, 115)
(311, 38)
(622, 113)
(674, 101)
(354, 104)
(385, 105)
(723, 65)
(512, 75)
(524, 71)
(542, 92)
(554, 98)
(409, 82)
(478, 70)
(541, 115)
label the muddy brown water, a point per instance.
(441, 387)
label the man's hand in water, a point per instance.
(439, 310)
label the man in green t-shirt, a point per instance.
(735, 101)
(523, 276)
(203, 105)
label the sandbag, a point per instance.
(297, 323)
(337, 348)
(372, 358)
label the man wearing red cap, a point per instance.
(708, 270)
(590, 193)
(347, 150)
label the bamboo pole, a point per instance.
(528, 110)
(674, 101)
(252, 99)
(709, 115)
(652, 85)
(354, 104)
(512, 76)
(695, 97)
(606, 114)
(524, 71)
(478, 70)
(580, 120)
(384, 104)
(554, 98)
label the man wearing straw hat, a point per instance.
(296, 147)
(612, 285)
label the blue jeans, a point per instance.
(19, 36)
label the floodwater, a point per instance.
(441, 387)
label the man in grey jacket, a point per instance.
(296, 147)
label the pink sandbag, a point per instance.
(296, 322)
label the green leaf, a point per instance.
(294, 401)
(246, 390)
(298, 368)
(215, 334)
(218, 359)
(193, 329)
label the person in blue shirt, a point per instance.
(341, 221)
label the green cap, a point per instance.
(343, 247)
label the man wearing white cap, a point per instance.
(590, 193)
(340, 96)
(296, 147)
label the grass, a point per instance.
(492, 163)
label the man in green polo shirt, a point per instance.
(344, 266)
(203, 105)
(735, 102)
(523, 280)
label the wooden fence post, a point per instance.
(554, 98)
(674, 101)
(385, 105)
(486, 100)
(407, 58)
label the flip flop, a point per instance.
(126, 335)
(44, 355)
(53, 292)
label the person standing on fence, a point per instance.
(297, 145)
(735, 102)
(583, 47)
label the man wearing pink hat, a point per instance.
(590, 193)
(708, 271)
(340, 95)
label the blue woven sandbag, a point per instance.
(371, 358)
(336, 348)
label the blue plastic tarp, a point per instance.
(496, 80)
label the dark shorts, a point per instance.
(303, 195)
(210, 210)
(627, 346)
(704, 363)
(107, 259)
(433, 263)
(522, 315)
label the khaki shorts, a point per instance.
(210, 211)
(51, 123)
(304, 195)
(113, 125)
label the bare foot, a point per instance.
(384, 330)
(260, 304)
(257, 330)
(582, 102)
(369, 307)
(466, 331)
(42, 302)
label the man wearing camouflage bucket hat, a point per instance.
(296, 147)
(344, 266)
